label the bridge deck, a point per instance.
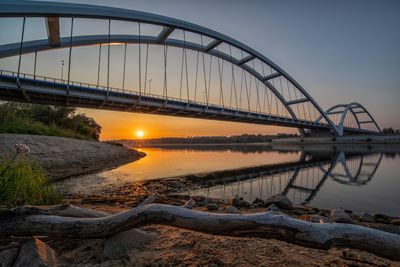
(44, 90)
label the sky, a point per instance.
(339, 51)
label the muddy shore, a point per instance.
(65, 157)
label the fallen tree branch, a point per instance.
(267, 224)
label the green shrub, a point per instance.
(24, 182)
(47, 120)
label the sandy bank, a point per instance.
(64, 157)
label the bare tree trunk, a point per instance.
(266, 224)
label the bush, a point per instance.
(47, 120)
(24, 182)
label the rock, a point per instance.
(117, 245)
(8, 256)
(35, 253)
(366, 217)
(395, 221)
(258, 201)
(232, 210)
(280, 201)
(315, 218)
(189, 204)
(212, 206)
(340, 216)
(382, 218)
(235, 201)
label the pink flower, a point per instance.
(22, 149)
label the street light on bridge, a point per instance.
(62, 71)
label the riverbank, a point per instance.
(64, 157)
(171, 246)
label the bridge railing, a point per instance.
(125, 91)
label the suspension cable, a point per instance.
(258, 96)
(197, 71)
(247, 91)
(165, 71)
(204, 72)
(34, 66)
(123, 75)
(209, 79)
(70, 52)
(186, 67)
(108, 57)
(98, 67)
(145, 68)
(221, 73)
(20, 47)
(241, 89)
(266, 91)
(181, 80)
(140, 66)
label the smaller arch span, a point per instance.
(351, 115)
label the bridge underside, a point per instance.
(46, 92)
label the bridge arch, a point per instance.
(302, 108)
(352, 115)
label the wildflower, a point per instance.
(22, 149)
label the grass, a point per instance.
(24, 182)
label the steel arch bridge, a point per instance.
(196, 72)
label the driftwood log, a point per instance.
(271, 224)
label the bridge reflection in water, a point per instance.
(300, 181)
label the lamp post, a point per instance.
(62, 71)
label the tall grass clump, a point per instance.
(24, 182)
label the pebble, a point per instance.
(280, 201)
(232, 210)
(212, 206)
(340, 216)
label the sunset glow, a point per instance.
(139, 134)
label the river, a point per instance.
(359, 178)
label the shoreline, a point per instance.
(63, 158)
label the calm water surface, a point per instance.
(356, 178)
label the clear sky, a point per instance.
(340, 51)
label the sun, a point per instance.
(139, 133)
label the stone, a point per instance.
(8, 256)
(35, 253)
(366, 217)
(258, 201)
(382, 218)
(117, 245)
(189, 204)
(235, 201)
(280, 201)
(315, 218)
(340, 216)
(232, 210)
(212, 206)
(395, 221)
